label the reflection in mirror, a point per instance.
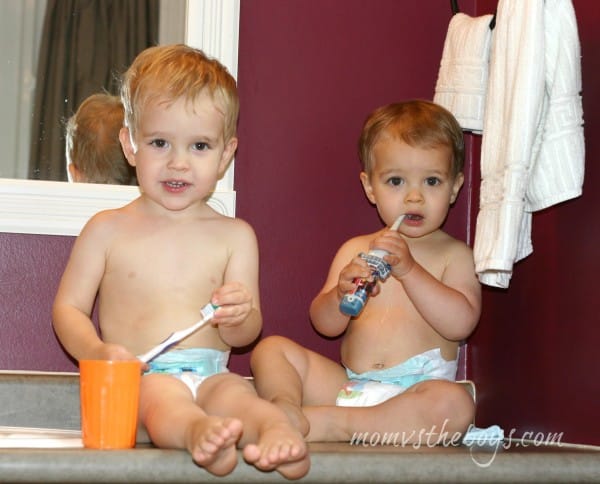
(21, 28)
(63, 51)
(62, 208)
(93, 149)
(84, 49)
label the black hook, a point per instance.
(493, 22)
(455, 9)
(454, 6)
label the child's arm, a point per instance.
(452, 305)
(239, 317)
(75, 299)
(325, 308)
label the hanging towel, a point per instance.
(557, 173)
(532, 153)
(463, 73)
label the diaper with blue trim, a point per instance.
(201, 361)
(376, 386)
(191, 365)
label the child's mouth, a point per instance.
(414, 217)
(175, 184)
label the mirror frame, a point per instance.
(63, 208)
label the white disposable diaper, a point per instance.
(377, 386)
(191, 365)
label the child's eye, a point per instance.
(432, 181)
(158, 143)
(395, 181)
(201, 146)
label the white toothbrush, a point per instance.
(397, 223)
(207, 313)
(395, 226)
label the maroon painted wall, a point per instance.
(534, 354)
(309, 73)
(30, 269)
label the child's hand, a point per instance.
(114, 352)
(399, 257)
(356, 269)
(111, 351)
(235, 303)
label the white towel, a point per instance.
(532, 147)
(463, 73)
(557, 173)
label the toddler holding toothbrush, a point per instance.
(399, 353)
(156, 262)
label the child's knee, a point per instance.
(458, 407)
(450, 405)
(269, 346)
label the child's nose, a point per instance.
(178, 161)
(414, 195)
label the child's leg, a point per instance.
(290, 376)
(269, 441)
(429, 413)
(174, 420)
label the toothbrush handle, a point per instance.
(353, 303)
(158, 349)
(207, 313)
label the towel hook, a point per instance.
(454, 6)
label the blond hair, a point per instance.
(171, 72)
(92, 137)
(418, 123)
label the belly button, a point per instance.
(378, 366)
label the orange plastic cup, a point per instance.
(110, 393)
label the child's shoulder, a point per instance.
(359, 241)
(230, 228)
(237, 226)
(100, 229)
(354, 245)
(104, 219)
(108, 222)
(446, 243)
(447, 240)
(452, 250)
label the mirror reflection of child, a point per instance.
(399, 355)
(155, 262)
(93, 149)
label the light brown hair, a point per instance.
(92, 137)
(170, 72)
(418, 123)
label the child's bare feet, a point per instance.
(281, 447)
(212, 443)
(294, 413)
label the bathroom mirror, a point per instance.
(62, 208)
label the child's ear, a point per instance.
(367, 187)
(127, 145)
(458, 183)
(227, 155)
